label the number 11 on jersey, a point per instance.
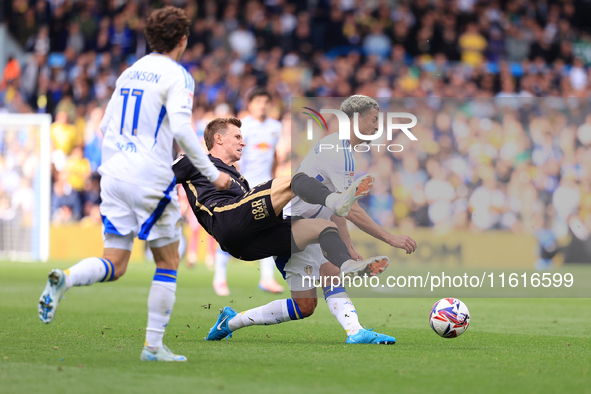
(136, 112)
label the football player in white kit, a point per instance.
(336, 170)
(261, 135)
(151, 106)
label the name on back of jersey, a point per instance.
(139, 75)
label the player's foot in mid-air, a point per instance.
(162, 354)
(270, 285)
(220, 329)
(221, 288)
(52, 295)
(358, 189)
(370, 267)
(370, 337)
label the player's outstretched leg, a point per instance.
(85, 273)
(312, 191)
(275, 312)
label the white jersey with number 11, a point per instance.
(138, 139)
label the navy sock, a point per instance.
(309, 189)
(333, 247)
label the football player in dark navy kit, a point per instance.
(248, 222)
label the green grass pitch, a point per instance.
(94, 343)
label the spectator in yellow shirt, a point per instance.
(65, 136)
(78, 169)
(472, 45)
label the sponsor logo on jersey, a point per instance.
(259, 209)
(129, 147)
(263, 146)
(349, 177)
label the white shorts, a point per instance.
(148, 213)
(301, 266)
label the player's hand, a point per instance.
(404, 242)
(223, 182)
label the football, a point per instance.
(449, 317)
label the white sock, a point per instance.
(221, 265)
(342, 308)
(267, 268)
(89, 271)
(331, 201)
(274, 312)
(160, 304)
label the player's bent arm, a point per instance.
(180, 122)
(362, 220)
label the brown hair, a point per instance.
(218, 126)
(165, 28)
(258, 91)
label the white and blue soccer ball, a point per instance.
(449, 317)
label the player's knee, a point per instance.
(307, 306)
(119, 271)
(307, 311)
(324, 224)
(282, 183)
(317, 226)
(119, 264)
(167, 256)
(119, 258)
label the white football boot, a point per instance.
(358, 189)
(370, 267)
(52, 295)
(162, 354)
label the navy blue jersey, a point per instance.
(202, 194)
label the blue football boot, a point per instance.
(368, 336)
(220, 329)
